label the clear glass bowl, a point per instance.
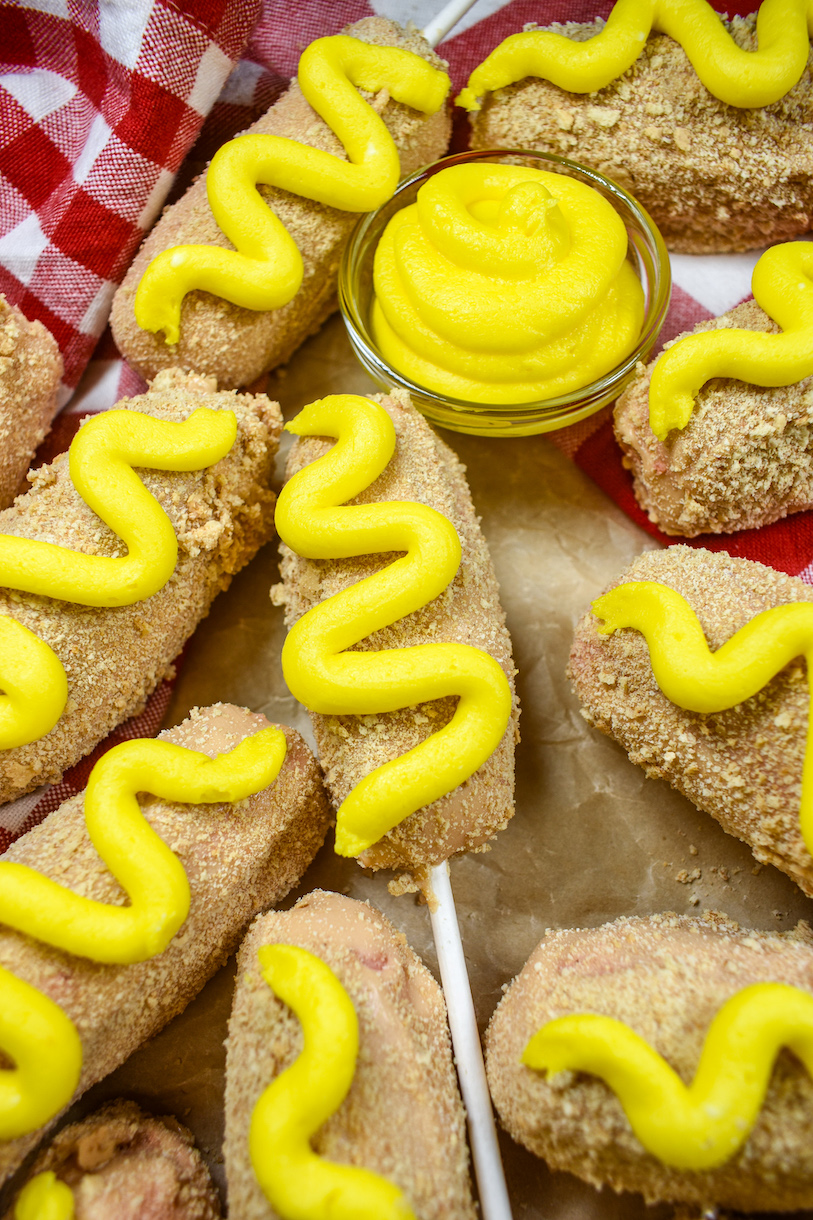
(646, 252)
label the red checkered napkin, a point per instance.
(99, 105)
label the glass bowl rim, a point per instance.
(658, 286)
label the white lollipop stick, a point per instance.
(437, 29)
(494, 1203)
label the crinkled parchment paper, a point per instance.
(592, 838)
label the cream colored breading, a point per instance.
(468, 612)
(743, 766)
(713, 177)
(122, 1163)
(114, 658)
(403, 1117)
(239, 858)
(745, 458)
(234, 344)
(666, 976)
(30, 369)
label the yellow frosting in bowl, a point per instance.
(505, 284)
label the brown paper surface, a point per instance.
(592, 838)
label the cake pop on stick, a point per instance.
(377, 654)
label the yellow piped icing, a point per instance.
(746, 79)
(701, 1126)
(265, 270)
(297, 1183)
(782, 284)
(699, 680)
(45, 1048)
(45, 1198)
(34, 685)
(101, 458)
(34, 1032)
(317, 663)
(151, 875)
(505, 284)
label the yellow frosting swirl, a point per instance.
(45, 1198)
(35, 1033)
(298, 1184)
(101, 457)
(34, 684)
(693, 677)
(265, 270)
(739, 78)
(328, 678)
(704, 1125)
(782, 284)
(45, 1048)
(505, 284)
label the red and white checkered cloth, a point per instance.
(101, 105)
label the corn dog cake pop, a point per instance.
(716, 431)
(695, 663)
(30, 369)
(659, 1008)
(706, 121)
(85, 980)
(122, 1162)
(90, 626)
(647, 1055)
(368, 1115)
(416, 775)
(258, 319)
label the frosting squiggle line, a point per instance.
(704, 1125)
(151, 875)
(44, 1045)
(101, 457)
(328, 678)
(699, 680)
(298, 1184)
(45, 1197)
(41, 1041)
(265, 270)
(782, 284)
(739, 78)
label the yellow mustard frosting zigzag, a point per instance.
(739, 78)
(45, 1197)
(318, 664)
(699, 680)
(298, 1184)
(782, 284)
(102, 458)
(701, 1126)
(265, 269)
(34, 1031)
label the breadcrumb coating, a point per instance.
(713, 177)
(121, 1162)
(423, 469)
(235, 344)
(114, 658)
(239, 857)
(30, 370)
(666, 976)
(403, 1117)
(744, 459)
(743, 766)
